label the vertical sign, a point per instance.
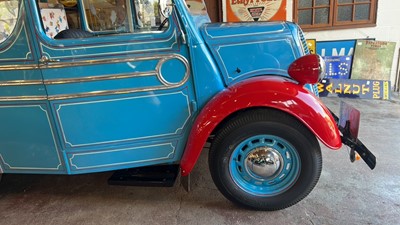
(311, 44)
(255, 10)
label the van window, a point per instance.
(9, 10)
(122, 16)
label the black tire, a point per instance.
(234, 160)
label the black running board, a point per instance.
(150, 176)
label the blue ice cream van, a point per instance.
(139, 86)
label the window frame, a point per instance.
(333, 22)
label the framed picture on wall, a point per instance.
(249, 10)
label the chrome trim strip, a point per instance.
(19, 67)
(23, 98)
(108, 92)
(157, 72)
(44, 47)
(99, 78)
(21, 82)
(161, 78)
(52, 65)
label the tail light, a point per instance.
(308, 69)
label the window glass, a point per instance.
(345, 13)
(322, 2)
(305, 3)
(334, 14)
(345, 1)
(322, 16)
(196, 7)
(8, 18)
(305, 17)
(122, 16)
(148, 14)
(362, 12)
(108, 15)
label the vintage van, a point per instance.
(102, 85)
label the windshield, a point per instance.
(198, 10)
(196, 7)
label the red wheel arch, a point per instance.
(266, 91)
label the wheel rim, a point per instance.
(264, 165)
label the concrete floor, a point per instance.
(346, 193)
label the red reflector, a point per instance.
(306, 69)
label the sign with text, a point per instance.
(255, 10)
(373, 60)
(338, 67)
(368, 89)
(336, 48)
(311, 44)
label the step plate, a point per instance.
(151, 176)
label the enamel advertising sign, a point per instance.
(255, 10)
(366, 89)
(338, 67)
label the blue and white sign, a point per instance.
(338, 67)
(336, 48)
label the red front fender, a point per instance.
(267, 91)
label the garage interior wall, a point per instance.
(387, 29)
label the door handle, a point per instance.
(46, 60)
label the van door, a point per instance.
(27, 140)
(118, 83)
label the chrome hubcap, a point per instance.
(264, 163)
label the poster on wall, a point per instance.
(255, 10)
(337, 67)
(366, 89)
(373, 60)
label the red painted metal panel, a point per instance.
(266, 91)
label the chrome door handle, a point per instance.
(46, 60)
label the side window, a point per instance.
(54, 18)
(8, 18)
(108, 15)
(122, 16)
(148, 14)
(63, 19)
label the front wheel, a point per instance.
(265, 160)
